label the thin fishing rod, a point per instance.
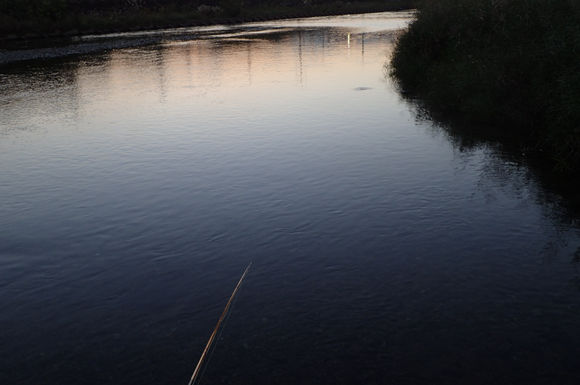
(198, 367)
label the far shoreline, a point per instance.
(247, 16)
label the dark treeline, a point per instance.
(33, 17)
(54, 8)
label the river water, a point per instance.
(141, 173)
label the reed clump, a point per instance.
(513, 63)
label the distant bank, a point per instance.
(47, 18)
(512, 65)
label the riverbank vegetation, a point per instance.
(26, 18)
(507, 64)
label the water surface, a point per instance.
(141, 173)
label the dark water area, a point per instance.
(137, 182)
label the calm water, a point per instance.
(140, 174)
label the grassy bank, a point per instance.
(28, 18)
(513, 64)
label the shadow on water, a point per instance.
(513, 160)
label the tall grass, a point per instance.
(514, 63)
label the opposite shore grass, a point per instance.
(508, 64)
(71, 23)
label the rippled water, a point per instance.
(141, 173)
